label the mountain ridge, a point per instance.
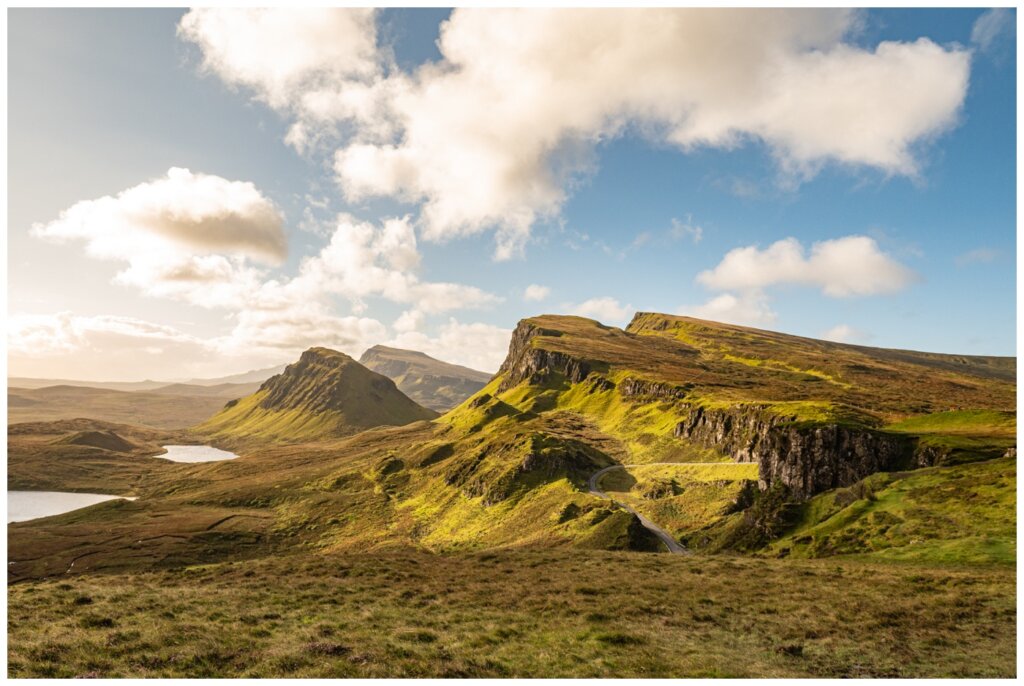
(431, 382)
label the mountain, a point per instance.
(430, 382)
(325, 394)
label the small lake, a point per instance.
(195, 453)
(25, 505)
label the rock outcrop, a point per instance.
(527, 362)
(807, 458)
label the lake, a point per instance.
(25, 505)
(195, 453)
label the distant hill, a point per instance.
(227, 391)
(33, 383)
(430, 382)
(255, 376)
(325, 394)
(155, 408)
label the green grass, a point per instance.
(682, 498)
(518, 613)
(949, 515)
(970, 422)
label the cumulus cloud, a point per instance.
(477, 346)
(296, 328)
(844, 333)
(187, 236)
(278, 53)
(750, 308)
(363, 260)
(606, 310)
(181, 212)
(493, 135)
(848, 266)
(536, 293)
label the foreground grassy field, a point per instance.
(527, 614)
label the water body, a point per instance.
(25, 505)
(195, 453)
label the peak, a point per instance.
(318, 351)
(386, 350)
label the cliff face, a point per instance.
(528, 363)
(807, 459)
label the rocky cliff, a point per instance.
(527, 362)
(808, 458)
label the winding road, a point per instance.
(672, 544)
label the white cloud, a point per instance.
(991, 27)
(296, 328)
(494, 135)
(606, 310)
(43, 335)
(844, 333)
(183, 213)
(848, 266)
(536, 293)
(185, 236)
(410, 320)
(363, 260)
(281, 52)
(749, 308)
(477, 346)
(105, 347)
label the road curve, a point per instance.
(672, 544)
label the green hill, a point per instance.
(326, 394)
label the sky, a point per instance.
(199, 193)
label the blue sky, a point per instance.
(101, 101)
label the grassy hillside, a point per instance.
(86, 455)
(153, 408)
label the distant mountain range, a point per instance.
(256, 376)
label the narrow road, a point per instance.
(672, 544)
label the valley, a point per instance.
(808, 483)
